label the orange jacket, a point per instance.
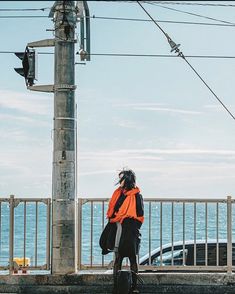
(127, 209)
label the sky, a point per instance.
(150, 114)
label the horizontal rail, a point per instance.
(176, 200)
(183, 268)
(25, 199)
(165, 268)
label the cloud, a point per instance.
(28, 102)
(172, 163)
(216, 107)
(23, 119)
(157, 107)
(138, 104)
(15, 135)
(96, 172)
(115, 155)
(144, 153)
(179, 151)
(9, 117)
(127, 124)
(168, 173)
(165, 109)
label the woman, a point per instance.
(127, 211)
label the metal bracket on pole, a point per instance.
(52, 88)
(63, 87)
(42, 88)
(42, 43)
(63, 200)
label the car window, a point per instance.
(167, 257)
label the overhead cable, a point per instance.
(163, 21)
(191, 3)
(24, 9)
(162, 55)
(139, 55)
(172, 2)
(23, 16)
(128, 19)
(190, 13)
(175, 48)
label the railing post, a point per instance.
(11, 234)
(229, 234)
(79, 234)
(48, 236)
(150, 216)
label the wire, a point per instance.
(24, 9)
(137, 55)
(204, 82)
(153, 20)
(13, 52)
(191, 3)
(190, 13)
(175, 48)
(163, 21)
(127, 19)
(23, 16)
(159, 55)
(173, 2)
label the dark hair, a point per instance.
(129, 177)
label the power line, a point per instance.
(163, 21)
(13, 52)
(162, 55)
(173, 3)
(157, 2)
(24, 9)
(127, 19)
(191, 13)
(139, 55)
(191, 3)
(175, 48)
(23, 16)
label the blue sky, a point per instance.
(149, 114)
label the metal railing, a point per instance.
(25, 233)
(178, 234)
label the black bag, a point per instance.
(124, 282)
(107, 238)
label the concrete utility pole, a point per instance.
(64, 164)
(65, 15)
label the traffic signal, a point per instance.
(28, 63)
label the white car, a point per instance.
(177, 254)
